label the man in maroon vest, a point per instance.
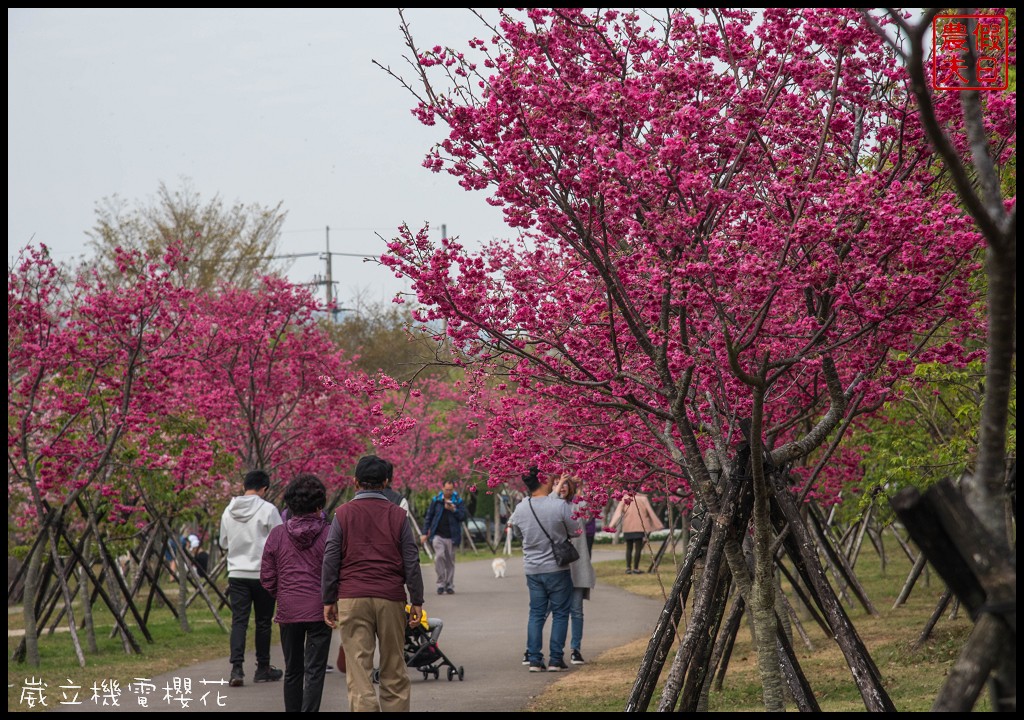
(371, 559)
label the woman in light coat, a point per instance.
(638, 521)
(583, 577)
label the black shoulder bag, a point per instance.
(565, 551)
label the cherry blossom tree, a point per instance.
(443, 444)
(279, 394)
(87, 374)
(726, 228)
(136, 402)
(603, 447)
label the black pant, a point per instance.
(306, 646)
(633, 548)
(247, 594)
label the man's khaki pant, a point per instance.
(365, 622)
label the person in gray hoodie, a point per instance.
(244, 528)
(292, 562)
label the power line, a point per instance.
(327, 280)
(321, 254)
(285, 256)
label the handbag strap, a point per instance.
(541, 525)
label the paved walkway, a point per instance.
(484, 633)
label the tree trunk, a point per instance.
(701, 611)
(31, 594)
(110, 572)
(116, 604)
(762, 600)
(68, 600)
(984, 490)
(183, 569)
(87, 622)
(97, 582)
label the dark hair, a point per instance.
(371, 471)
(256, 479)
(570, 485)
(391, 469)
(305, 495)
(531, 479)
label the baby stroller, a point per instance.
(423, 653)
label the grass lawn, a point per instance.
(171, 649)
(912, 677)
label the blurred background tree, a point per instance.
(386, 338)
(235, 245)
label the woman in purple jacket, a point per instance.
(292, 564)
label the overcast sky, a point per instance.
(256, 106)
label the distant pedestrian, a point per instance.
(244, 527)
(200, 557)
(292, 568)
(393, 495)
(442, 528)
(370, 562)
(638, 521)
(590, 530)
(171, 556)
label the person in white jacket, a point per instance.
(244, 527)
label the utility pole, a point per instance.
(444, 321)
(330, 279)
(326, 280)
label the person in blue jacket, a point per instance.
(442, 527)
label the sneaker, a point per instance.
(450, 591)
(556, 666)
(628, 571)
(267, 673)
(638, 572)
(537, 666)
(237, 677)
(576, 658)
(440, 591)
(526, 658)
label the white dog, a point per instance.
(498, 566)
